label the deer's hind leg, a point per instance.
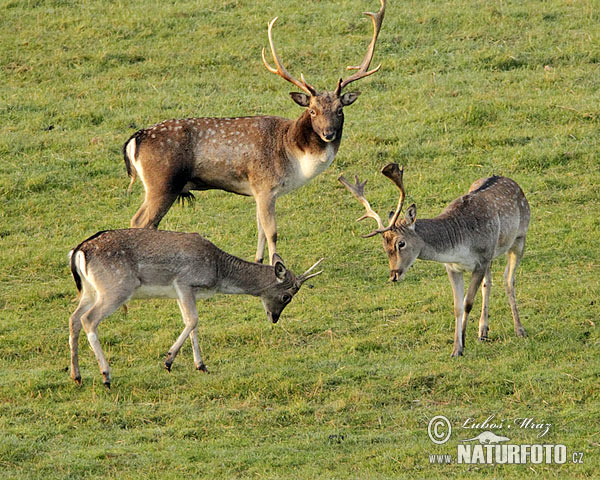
(85, 303)
(162, 186)
(514, 257)
(105, 304)
(152, 211)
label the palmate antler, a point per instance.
(363, 68)
(394, 173)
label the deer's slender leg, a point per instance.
(476, 279)
(265, 208)
(458, 288)
(260, 249)
(85, 303)
(189, 312)
(514, 257)
(187, 304)
(486, 286)
(102, 308)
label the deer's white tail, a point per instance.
(129, 151)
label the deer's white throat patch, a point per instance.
(309, 165)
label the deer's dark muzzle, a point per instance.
(329, 136)
(273, 317)
(395, 275)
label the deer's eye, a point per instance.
(340, 111)
(286, 298)
(400, 244)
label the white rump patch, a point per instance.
(130, 150)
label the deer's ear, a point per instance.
(280, 270)
(300, 98)
(411, 216)
(349, 98)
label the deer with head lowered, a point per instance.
(114, 266)
(490, 220)
(262, 156)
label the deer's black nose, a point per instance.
(395, 275)
(329, 136)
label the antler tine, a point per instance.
(280, 70)
(395, 174)
(358, 190)
(305, 276)
(363, 68)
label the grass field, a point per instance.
(347, 382)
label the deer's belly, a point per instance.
(155, 291)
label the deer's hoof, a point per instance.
(77, 379)
(521, 332)
(168, 366)
(202, 368)
(457, 353)
(483, 338)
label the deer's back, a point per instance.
(493, 212)
(154, 257)
(205, 153)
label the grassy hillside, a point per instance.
(346, 384)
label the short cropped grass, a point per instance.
(346, 384)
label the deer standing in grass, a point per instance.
(114, 266)
(262, 156)
(490, 220)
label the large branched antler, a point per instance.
(363, 68)
(394, 173)
(280, 70)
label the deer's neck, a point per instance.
(445, 239)
(308, 153)
(237, 276)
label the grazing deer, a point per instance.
(262, 156)
(114, 266)
(491, 219)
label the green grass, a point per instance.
(344, 386)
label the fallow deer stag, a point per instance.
(114, 266)
(490, 220)
(262, 156)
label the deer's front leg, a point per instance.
(187, 304)
(476, 279)
(458, 288)
(486, 286)
(262, 239)
(265, 211)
